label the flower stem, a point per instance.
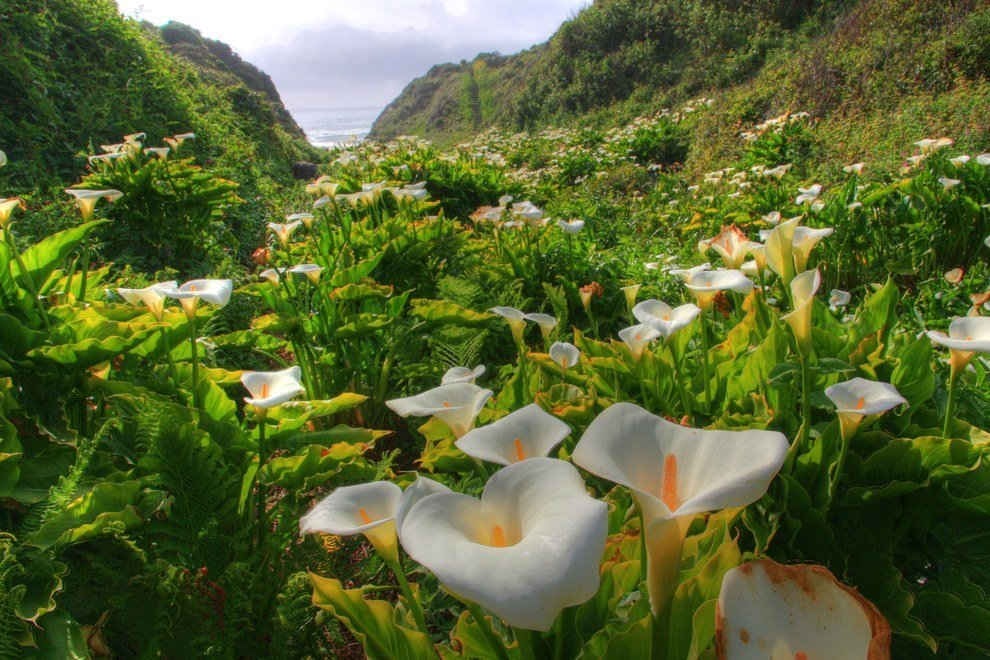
(486, 629)
(262, 490)
(705, 366)
(805, 399)
(32, 289)
(414, 606)
(949, 403)
(194, 347)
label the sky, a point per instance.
(359, 53)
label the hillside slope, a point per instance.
(74, 74)
(879, 61)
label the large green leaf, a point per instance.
(384, 634)
(106, 507)
(42, 258)
(443, 311)
(316, 465)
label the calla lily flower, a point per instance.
(215, 292)
(856, 398)
(368, 509)
(638, 337)
(855, 168)
(160, 152)
(805, 240)
(456, 405)
(151, 296)
(674, 473)
(417, 490)
(967, 336)
(271, 274)
(571, 226)
(516, 319)
(529, 548)
(86, 199)
(666, 321)
(768, 610)
(707, 284)
(687, 273)
(564, 354)
(803, 290)
(546, 322)
(284, 231)
(732, 245)
(780, 249)
(272, 388)
(808, 195)
(630, 292)
(462, 375)
(311, 271)
(526, 433)
(305, 218)
(838, 298)
(7, 207)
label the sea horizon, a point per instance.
(332, 126)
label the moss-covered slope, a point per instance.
(888, 64)
(74, 73)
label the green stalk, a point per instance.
(86, 256)
(949, 403)
(704, 364)
(262, 491)
(529, 644)
(805, 399)
(559, 633)
(414, 606)
(35, 293)
(494, 640)
(682, 391)
(195, 363)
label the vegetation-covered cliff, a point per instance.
(75, 74)
(896, 67)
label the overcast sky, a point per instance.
(349, 53)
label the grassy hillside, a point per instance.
(896, 68)
(74, 74)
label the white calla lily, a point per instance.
(856, 398)
(799, 612)
(526, 433)
(676, 472)
(809, 194)
(462, 375)
(803, 290)
(732, 245)
(805, 240)
(529, 548)
(571, 226)
(311, 271)
(272, 388)
(153, 297)
(630, 292)
(86, 199)
(565, 354)
(707, 284)
(546, 322)
(215, 292)
(417, 490)
(687, 273)
(457, 405)
(638, 337)
(664, 319)
(967, 336)
(838, 298)
(368, 509)
(516, 319)
(7, 206)
(780, 249)
(271, 274)
(284, 231)
(305, 218)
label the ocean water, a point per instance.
(327, 127)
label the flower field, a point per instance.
(543, 395)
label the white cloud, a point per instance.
(340, 53)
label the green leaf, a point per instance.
(444, 311)
(316, 465)
(913, 376)
(105, 507)
(42, 258)
(375, 623)
(59, 638)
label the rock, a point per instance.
(304, 171)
